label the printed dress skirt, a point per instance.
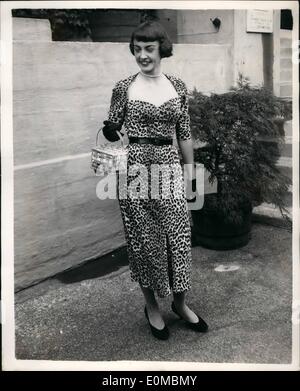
(157, 229)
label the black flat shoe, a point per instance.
(200, 326)
(157, 333)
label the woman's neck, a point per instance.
(151, 79)
(151, 76)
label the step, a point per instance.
(286, 162)
(269, 214)
(287, 150)
(286, 63)
(286, 76)
(288, 129)
(285, 42)
(285, 33)
(288, 200)
(286, 90)
(286, 52)
(287, 171)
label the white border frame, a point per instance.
(7, 208)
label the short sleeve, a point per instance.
(116, 111)
(183, 130)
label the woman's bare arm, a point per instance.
(186, 147)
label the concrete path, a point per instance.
(248, 310)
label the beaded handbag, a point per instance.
(108, 157)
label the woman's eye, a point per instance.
(149, 50)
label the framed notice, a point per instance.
(260, 21)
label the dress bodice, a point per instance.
(144, 119)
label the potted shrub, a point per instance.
(241, 134)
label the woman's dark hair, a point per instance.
(153, 31)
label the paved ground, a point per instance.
(101, 318)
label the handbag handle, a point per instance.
(119, 134)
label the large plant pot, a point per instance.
(211, 231)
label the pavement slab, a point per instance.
(247, 307)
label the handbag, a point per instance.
(108, 157)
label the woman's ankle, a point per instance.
(152, 306)
(180, 306)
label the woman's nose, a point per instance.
(143, 54)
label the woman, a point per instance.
(153, 106)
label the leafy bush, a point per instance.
(66, 24)
(242, 131)
(72, 24)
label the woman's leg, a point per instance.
(154, 315)
(183, 309)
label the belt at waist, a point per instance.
(150, 140)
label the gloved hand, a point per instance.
(191, 188)
(109, 131)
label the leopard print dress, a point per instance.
(157, 231)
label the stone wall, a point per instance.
(247, 50)
(61, 93)
(195, 26)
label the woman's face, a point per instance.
(147, 55)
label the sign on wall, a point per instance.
(260, 21)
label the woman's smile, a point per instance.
(145, 62)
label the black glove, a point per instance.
(191, 184)
(109, 131)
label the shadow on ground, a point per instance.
(245, 295)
